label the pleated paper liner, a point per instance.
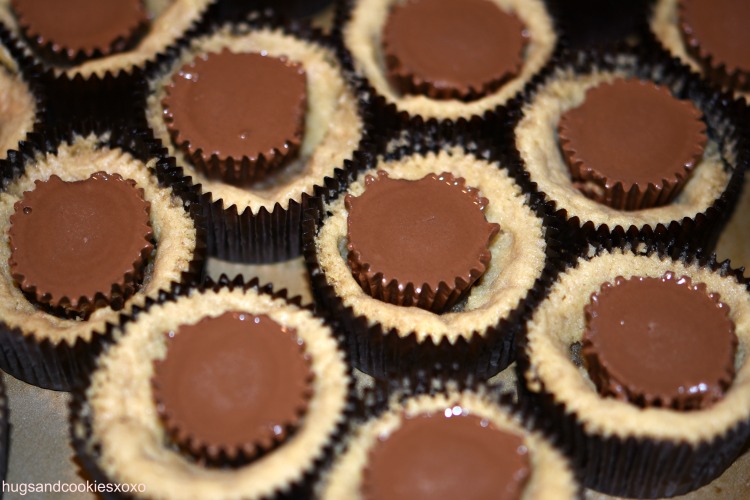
(41, 358)
(695, 226)
(88, 448)
(586, 24)
(105, 93)
(390, 114)
(4, 431)
(387, 397)
(637, 463)
(28, 73)
(293, 9)
(272, 232)
(385, 352)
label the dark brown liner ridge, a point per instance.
(4, 430)
(81, 433)
(632, 467)
(267, 235)
(726, 124)
(60, 366)
(391, 353)
(387, 115)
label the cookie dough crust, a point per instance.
(362, 36)
(536, 140)
(518, 252)
(551, 477)
(173, 227)
(559, 322)
(170, 19)
(17, 108)
(333, 127)
(127, 428)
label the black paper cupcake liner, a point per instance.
(88, 451)
(726, 123)
(294, 9)
(4, 431)
(240, 234)
(387, 114)
(587, 23)
(102, 95)
(385, 353)
(60, 365)
(635, 466)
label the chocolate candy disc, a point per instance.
(233, 385)
(238, 116)
(448, 49)
(76, 30)
(447, 456)
(631, 144)
(659, 342)
(418, 242)
(78, 245)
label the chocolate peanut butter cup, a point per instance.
(631, 144)
(447, 444)
(686, 203)
(443, 60)
(419, 214)
(229, 363)
(658, 337)
(103, 42)
(709, 37)
(659, 342)
(73, 31)
(237, 116)
(77, 246)
(317, 128)
(119, 211)
(232, 386)
(452, 50)
(418, 242)
(419, 460)
(715, 34)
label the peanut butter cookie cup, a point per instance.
(270, 393)
(583, 128)
(639, 362)
(256, 169)
(447, 445)
(89, 229)
(426, 259)
(412, 55)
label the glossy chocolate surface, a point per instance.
(72, 243)
(632, 136)
(238, 106)
(452, 50)
(659, 342)
(715, 32)
(424, 232)
(437, 457)
(235, 384)
(81, 26)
